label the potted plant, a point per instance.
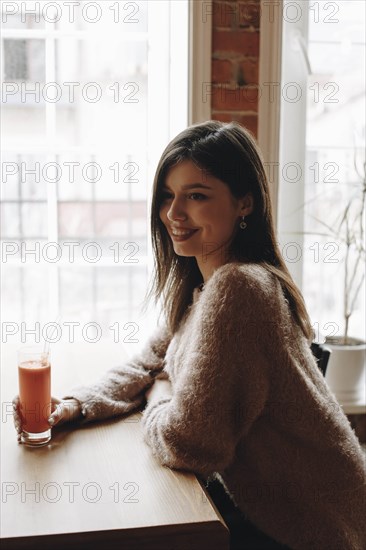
(346, 368)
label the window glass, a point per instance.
(81, 85)
(24, 60)
(335, 145)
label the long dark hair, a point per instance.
(228, 152)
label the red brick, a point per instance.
(250, 122)
(248, 72)
(222, 71)
(224, 14)
(248, 15)
(235, 14)
(234, 98)
(231, 14)
(240, 42)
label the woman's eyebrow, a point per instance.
(191, 186)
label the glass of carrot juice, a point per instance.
(34, 370)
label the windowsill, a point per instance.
(354, 408)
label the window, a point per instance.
(88, 104)
(322, 143)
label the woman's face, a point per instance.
(200, 213)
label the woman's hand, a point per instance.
(159, 390)
(63, 410)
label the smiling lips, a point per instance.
(182, 234)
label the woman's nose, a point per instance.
(176, 212)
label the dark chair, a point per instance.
(243, 534)
(321, 354)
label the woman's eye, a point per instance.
(194, 196)
(197, 196)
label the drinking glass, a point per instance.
(34, 370)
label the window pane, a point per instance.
(89, 148)
(36, 292)
(15, 56)
(77, 294)
(10, 252)
(335, 138)
(10, 222)
(116, 292)
(107, 102)
(122, 17)
(34, 220)
(76, 177)
(35, 173)
(25, 290)
(20, 19)
(113, 218)
(76, 219)
(11, 288)
(120, 292)
(25, 177)
(24, 60)
(10, 168)
(19, 119)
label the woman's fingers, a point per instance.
(16, 415)
(72, 409)
(15, 401)
(64, 410)
(57, 412)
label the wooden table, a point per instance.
(97, 486)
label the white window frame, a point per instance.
(200, 46)
(278, 122)
(269, 111)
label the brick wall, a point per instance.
(235, 61)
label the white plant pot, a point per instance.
(345, 373)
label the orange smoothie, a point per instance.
(35, 395)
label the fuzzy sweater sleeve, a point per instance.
(122, 389)
(223, 379)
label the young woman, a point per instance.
(231, 389)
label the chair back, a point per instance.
(321, 354)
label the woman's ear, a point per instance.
(247, 204)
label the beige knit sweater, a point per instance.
(250, 406)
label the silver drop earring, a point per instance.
(243, 224)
